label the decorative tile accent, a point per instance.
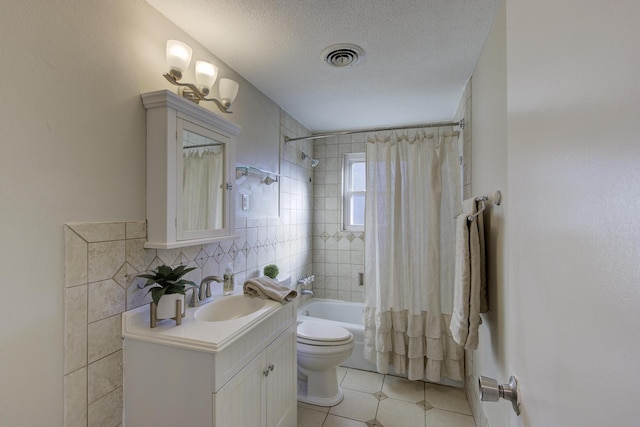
(233, 251)
(424, 404)
(219, 254)
(380, 395)
(121, 277)
(201, 258)
(324, 236)
(399, 413)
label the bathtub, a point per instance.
(346, 314)
(349, 315)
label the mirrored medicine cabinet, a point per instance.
(190, 167)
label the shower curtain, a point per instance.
(202, 193)
(413, 195)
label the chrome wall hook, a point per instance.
(490, 391)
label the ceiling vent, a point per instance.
(343, 55)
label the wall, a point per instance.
(562, 101)
(489, 158)
(574, 235)
(72, 127)
(102, 261)
(338, 256)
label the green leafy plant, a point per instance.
(271, 271)
(168, 281)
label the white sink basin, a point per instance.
(227, 308)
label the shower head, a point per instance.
(314, 162)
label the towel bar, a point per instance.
(494, 198)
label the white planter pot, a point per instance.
(167, 306)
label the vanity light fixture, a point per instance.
(179, 58)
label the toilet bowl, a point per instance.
(321, 348)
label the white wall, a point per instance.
(72, 148)
(489, 173)
(568, 273)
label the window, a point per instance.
(353, 191)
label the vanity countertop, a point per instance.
(195, 334)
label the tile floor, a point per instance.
(372, 399)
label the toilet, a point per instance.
(321, 348)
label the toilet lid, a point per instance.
(319, 331)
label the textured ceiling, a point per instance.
(419, 54)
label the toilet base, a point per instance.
(322, 401)
(319, 388)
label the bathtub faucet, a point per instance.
(306, 292)
(306, 280)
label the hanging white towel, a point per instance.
(470, 289)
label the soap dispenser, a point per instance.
(228, 280)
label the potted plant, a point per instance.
(271, 271)
(169, 287)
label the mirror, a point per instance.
(203, 181)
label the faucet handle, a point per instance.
(195, 301)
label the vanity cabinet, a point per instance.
(172, 379)
(262, 393)
(190, 164)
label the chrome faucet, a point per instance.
(306, 280)
(205, 286)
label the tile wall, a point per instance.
(102, 261)
(338, 256)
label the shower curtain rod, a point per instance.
(349, 132)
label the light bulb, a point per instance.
(228, 91)
(206, 74)
(178, 57)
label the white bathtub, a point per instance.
(349, 315)
(345, 314)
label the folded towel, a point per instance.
(265, 287)
(470, 290)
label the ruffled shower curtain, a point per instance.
(202, 193)
(413, 195)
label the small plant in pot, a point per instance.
(169, 286)
(271, 271)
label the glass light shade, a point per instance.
(228, 90)
(178, 55)
(206, 74)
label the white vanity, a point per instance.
(213, 370)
